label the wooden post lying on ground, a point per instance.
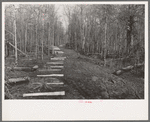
(58, 58)
(51, 75)
(55, 62)
(55, 83)
(56, 48)
(52, 83)
(59, 52)
(48, 70)
(44, 94)
(54, 79)
(56, 66)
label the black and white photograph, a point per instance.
(74, 51)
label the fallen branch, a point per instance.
(139, 65)
(8, 95)
(44, 94)
(17, 49)
(128, 68)
(43, 87)
(10, 33)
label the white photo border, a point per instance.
(40, 110)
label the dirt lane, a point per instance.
(93, 81)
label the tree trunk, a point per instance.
(53, 35)
(105, 43)
(16, 58)
(26, 37)
(31, 42)
(129, 33)
(82, 31)
(36, 40)
(21, 34)
(75, 41)
(43, 39)
(49, 35)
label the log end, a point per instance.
(36, 67)
(119, 72)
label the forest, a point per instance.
(35, 27)
(112, 35)
(111, 31)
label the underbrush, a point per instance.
(114, 64)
